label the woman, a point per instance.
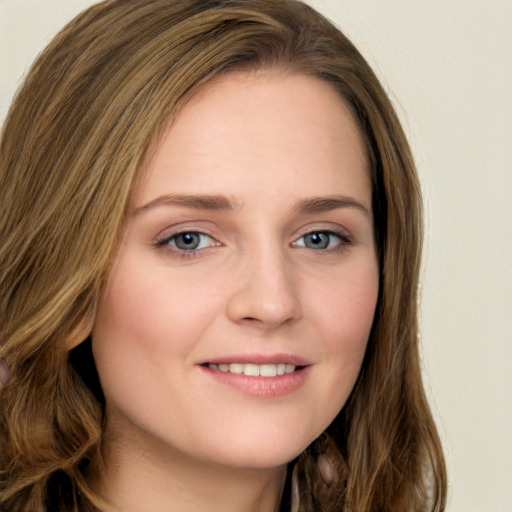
(211, 241)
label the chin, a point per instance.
(260, 453)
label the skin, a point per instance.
(266, 147)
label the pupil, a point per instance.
(188, 240)
(319, 240)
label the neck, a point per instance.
(136, 477)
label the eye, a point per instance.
(188, 241)
(322, 240)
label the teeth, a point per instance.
(236, 368)
(254, 370)
(289, 368)
(268, 370)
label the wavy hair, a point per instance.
(77, 135)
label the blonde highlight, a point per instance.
(75, 141)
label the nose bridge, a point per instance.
(264, 289)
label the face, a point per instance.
(237, 313)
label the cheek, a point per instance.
(346, 304)
(128, 311)
(147, 328)
(345, 320)
(147, 311)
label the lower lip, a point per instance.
(261, 386)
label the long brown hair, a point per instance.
(77, 135)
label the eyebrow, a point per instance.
(325, 204)
(198, 202)
(222, 203)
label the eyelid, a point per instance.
(325, 227)
(163, 242)
(342, 236)
(168, 230)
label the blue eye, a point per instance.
(321, 240)
(188, 241)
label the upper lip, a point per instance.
(275, 358)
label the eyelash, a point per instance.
(343, 239)
(183, 253)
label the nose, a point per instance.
(265, 292)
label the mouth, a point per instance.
(253, 369)
(260, 375)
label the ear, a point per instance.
(5, 373)
(327, 469)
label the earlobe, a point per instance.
(5, 373)
(327, 469)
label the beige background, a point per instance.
(448, 67)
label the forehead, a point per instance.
(254, 124)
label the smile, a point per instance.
(260, 380)
(254, 370)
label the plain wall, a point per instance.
(448, 68)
